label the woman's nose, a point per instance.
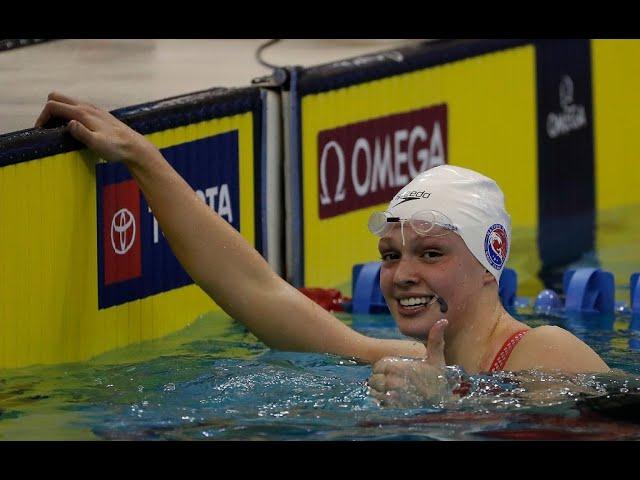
(406, 273)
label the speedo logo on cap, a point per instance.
(496, 245)
(412, 195)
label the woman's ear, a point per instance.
(487, 277)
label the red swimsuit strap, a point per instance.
(503, 355)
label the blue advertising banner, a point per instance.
(134, 259)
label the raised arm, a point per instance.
(212, 252)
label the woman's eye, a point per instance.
(388, 256)
(432, 254)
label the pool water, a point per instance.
(201, 384)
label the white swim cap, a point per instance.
(474, 204)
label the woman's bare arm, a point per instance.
(213, 253)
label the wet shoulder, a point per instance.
(553, 348)
(549, 333)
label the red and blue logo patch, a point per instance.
(496, 245)
(121, 232)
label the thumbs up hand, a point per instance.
(435, 344)
(404, 382)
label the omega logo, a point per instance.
(386, 163)
(573, 117)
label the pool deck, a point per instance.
(119, 73)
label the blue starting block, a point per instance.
(367, 297)
(508, 287)
(365, 288)
(635, 293)
(589, 290)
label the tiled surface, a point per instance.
(117, 73)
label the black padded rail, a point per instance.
(146, 118)
(13, 43)
(343, 73)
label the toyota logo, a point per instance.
(123, 231)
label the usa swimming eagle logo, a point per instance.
(496, 245)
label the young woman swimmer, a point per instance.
(444, 240)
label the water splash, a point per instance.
(229, 386)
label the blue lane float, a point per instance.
(586, 290)
(547, 301)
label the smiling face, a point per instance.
(411, 274)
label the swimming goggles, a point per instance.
(426, 223)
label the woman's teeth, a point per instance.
(414, 301)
